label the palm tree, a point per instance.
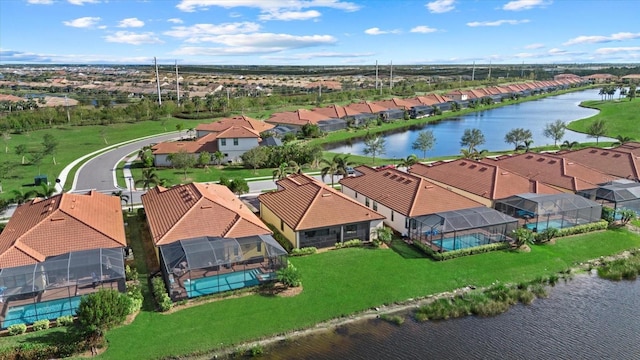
(337, 166)
(20, 197)
(569, 144)
(218, 155)
(149, 179)
(281, 171)
(597, 129)
(409, 161)
(123, 197)
(622, 139)
(45, 190)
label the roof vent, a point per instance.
(57, 218)
(504, 173)
(206, 207)
(529, 157)
(428, 186)
(483, 169)
(570, 163)
(326, 195)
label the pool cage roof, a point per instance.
(206, 251)
(464, 219)
(619, 191)
(70, 269)
(543, 204)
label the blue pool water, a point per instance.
(225, 282)
(28, 314)
(542, 225)
(462, 241)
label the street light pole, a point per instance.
(131, 193)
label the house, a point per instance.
(310, 213)
(207, 240)
(400, 196)
(257, 126)
(52, 251)
(619, 195)
(621, 163)
(560, 173)
(362, 113)
(299, 118)
(481, 182)
(162, 151)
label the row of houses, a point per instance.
(234, 136)
(207, 240)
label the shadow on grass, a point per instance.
(405, 250)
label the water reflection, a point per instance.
(495, 123)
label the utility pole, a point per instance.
(522, 70)
(489, 75)
(391, 76)
(157, 81)
(66, 105)
(177, 85)
(473, 72)
(376, 74)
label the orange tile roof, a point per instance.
(61, 224)
(610, 161)
(486, 180)
(397, 103)
(632, 147)
(332, 111)
(193, 210)
(305, 203)
(299, 117)
(552, 170)
(237, 121)
(405, 193)
(363, 108)
(238, 132)
(5, 97)
(206, 143)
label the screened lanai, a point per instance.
(618, 194)
(207, 265)
(459, 229)
(540, 211)
(52, 288)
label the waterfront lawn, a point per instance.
(343, 282)
(621, 117)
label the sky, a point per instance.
(319, 32)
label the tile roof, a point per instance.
(397, 103)
(61, 224)
(363, 108)
(630, 147)
(332, 111)
(237, 121)
(299, 117)
(552, 170)
(405, 193)
(192, 210)
(305, 203)
(206, 143)
(486, 180)
(610, 161)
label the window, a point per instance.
(350, 229)
(356, 194)
(235, 141)
(366, 202)
(375, 206)
(406, 223)
(282, 225)
(392, 215)
(223, 142)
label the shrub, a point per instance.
(608, 214)
(102, 310)
(461, 252)
(257, 351)
(394, 319)
(17, 329)
(546, 235)
(160, 294)
(303, 251)
(134, 292)
(290, 276)
(385, 234)
(349, 243)
(523, 236)
(64, 320)
(41, 325)
(283, 241)
(585, 228)
(131, 273)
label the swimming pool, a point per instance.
(28, 314)
(224, 282)
(463, 241)
(542, 225)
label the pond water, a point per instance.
(494, 124)
(585, 318)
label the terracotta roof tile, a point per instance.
(610, 161)
(241, 121)
(332, 111)
(192, 210)
(486, 180)
(405, 193)
(61, 224)
(206, 143)
(305, 203)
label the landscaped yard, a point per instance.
(621, 117)
(339, 283)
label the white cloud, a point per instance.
(175, 21)
(534, 46)
(556, 51)
(423, 29)
(40, 2)
(131, 22)
(614, 50)
(83, 22)
(266, 5)
(290, 15)
(235, 15)
(603, 39)
(524, 55)
(518, 5)
(82, 2)
(199, 32)
(313, 55)
(128, 37)
(497, 23)
(440, 6)
(377, 31)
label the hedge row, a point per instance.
(461, 252)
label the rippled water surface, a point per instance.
(494, 123)
(586, 318)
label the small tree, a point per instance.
(255, 157)
(49, 146)
(102, 310)
(290, 276)
(597, 129)
(626, 215)
(517, 136)
(471, 139)
(21, 150)
(238, 186)
(555, 130)
(374, 145)
(204, 159)
(182, 160)
(424, 142)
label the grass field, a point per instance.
(622, 117)
(343, 282)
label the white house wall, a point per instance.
(399, 220)
(234, 152)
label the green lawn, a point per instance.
(621, 117)
(343, 282)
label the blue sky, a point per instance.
(319, 32)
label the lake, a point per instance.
(585, 318)
(495, 123)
